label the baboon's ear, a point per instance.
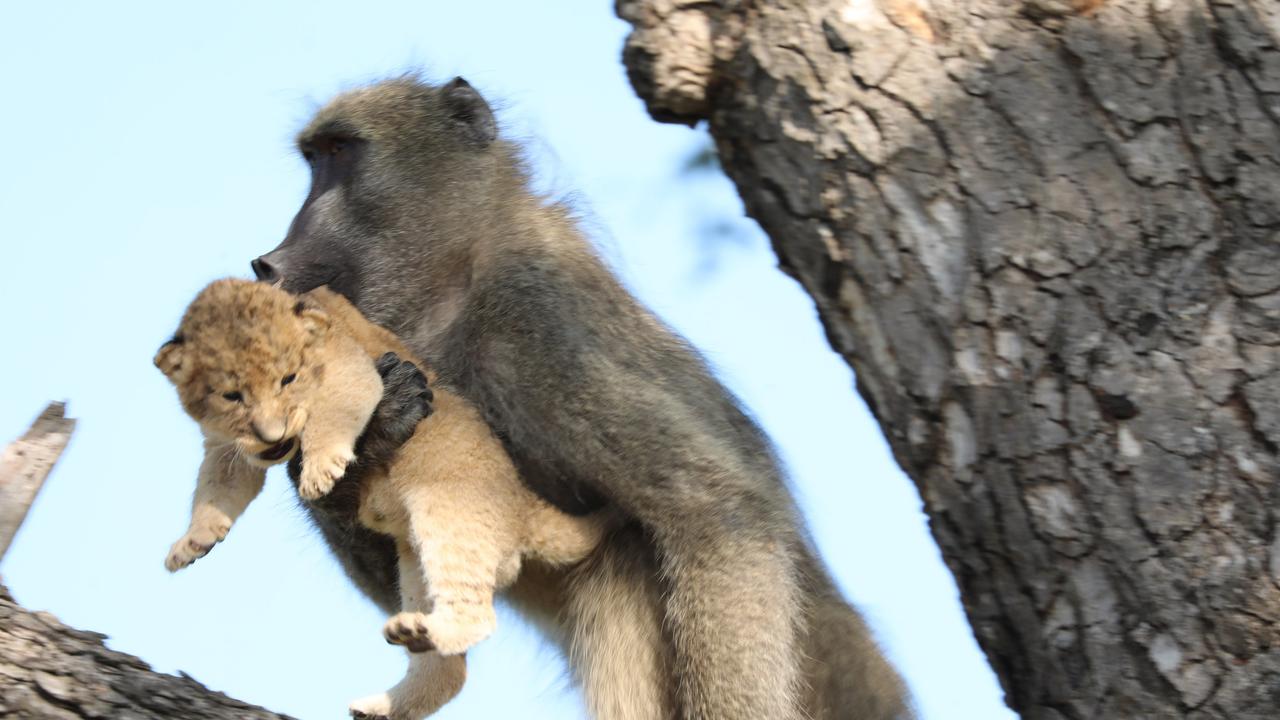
(470, 113)
(315, 320)
(171, 359)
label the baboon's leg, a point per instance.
(617, 645)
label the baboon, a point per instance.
(711, 602)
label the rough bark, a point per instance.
(1044, 235)
(51, 671)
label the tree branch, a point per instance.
(25, 465)
(50, 670)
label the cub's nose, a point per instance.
(269, 432)
(265, 270)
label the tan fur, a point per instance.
(452, 500)
(618, 647)
(224, 489)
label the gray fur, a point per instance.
(428, 225)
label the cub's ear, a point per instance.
(469, 113)
(315, 320)
(171, 359)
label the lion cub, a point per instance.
(266, 374)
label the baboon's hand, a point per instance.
(406, 399)
(197, 543)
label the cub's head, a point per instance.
(242, 360)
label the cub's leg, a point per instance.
(432, 679)
(461, 539)
(558, 538)
(225, 486)
(339, 411)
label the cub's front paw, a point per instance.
(194, 545)
(321, 469)
(374, 707)
(410, 630)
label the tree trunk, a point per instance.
(1044, 235)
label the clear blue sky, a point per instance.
(147, 151)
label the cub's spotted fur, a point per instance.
(266, 374)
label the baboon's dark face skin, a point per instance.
(315, 232)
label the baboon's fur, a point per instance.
(449, 498)
(708, 605)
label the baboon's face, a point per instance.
(325, 245)
(397, 171)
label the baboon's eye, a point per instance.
(309, 156)
(233, 396)
(337, 146)
(288, 379)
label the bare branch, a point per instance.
(25, 465)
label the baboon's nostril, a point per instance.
(265, 271)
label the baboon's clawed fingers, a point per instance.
(406, 396)
(386, 363)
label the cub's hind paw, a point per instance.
(321, 469)
(443, 631)
(457, 632)
(194, 545)
(410, 630)
(374, 707)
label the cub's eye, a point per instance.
(337, 146)
(233, 396)
(309, 156)
(288, 379)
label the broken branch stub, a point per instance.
(26, 463)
